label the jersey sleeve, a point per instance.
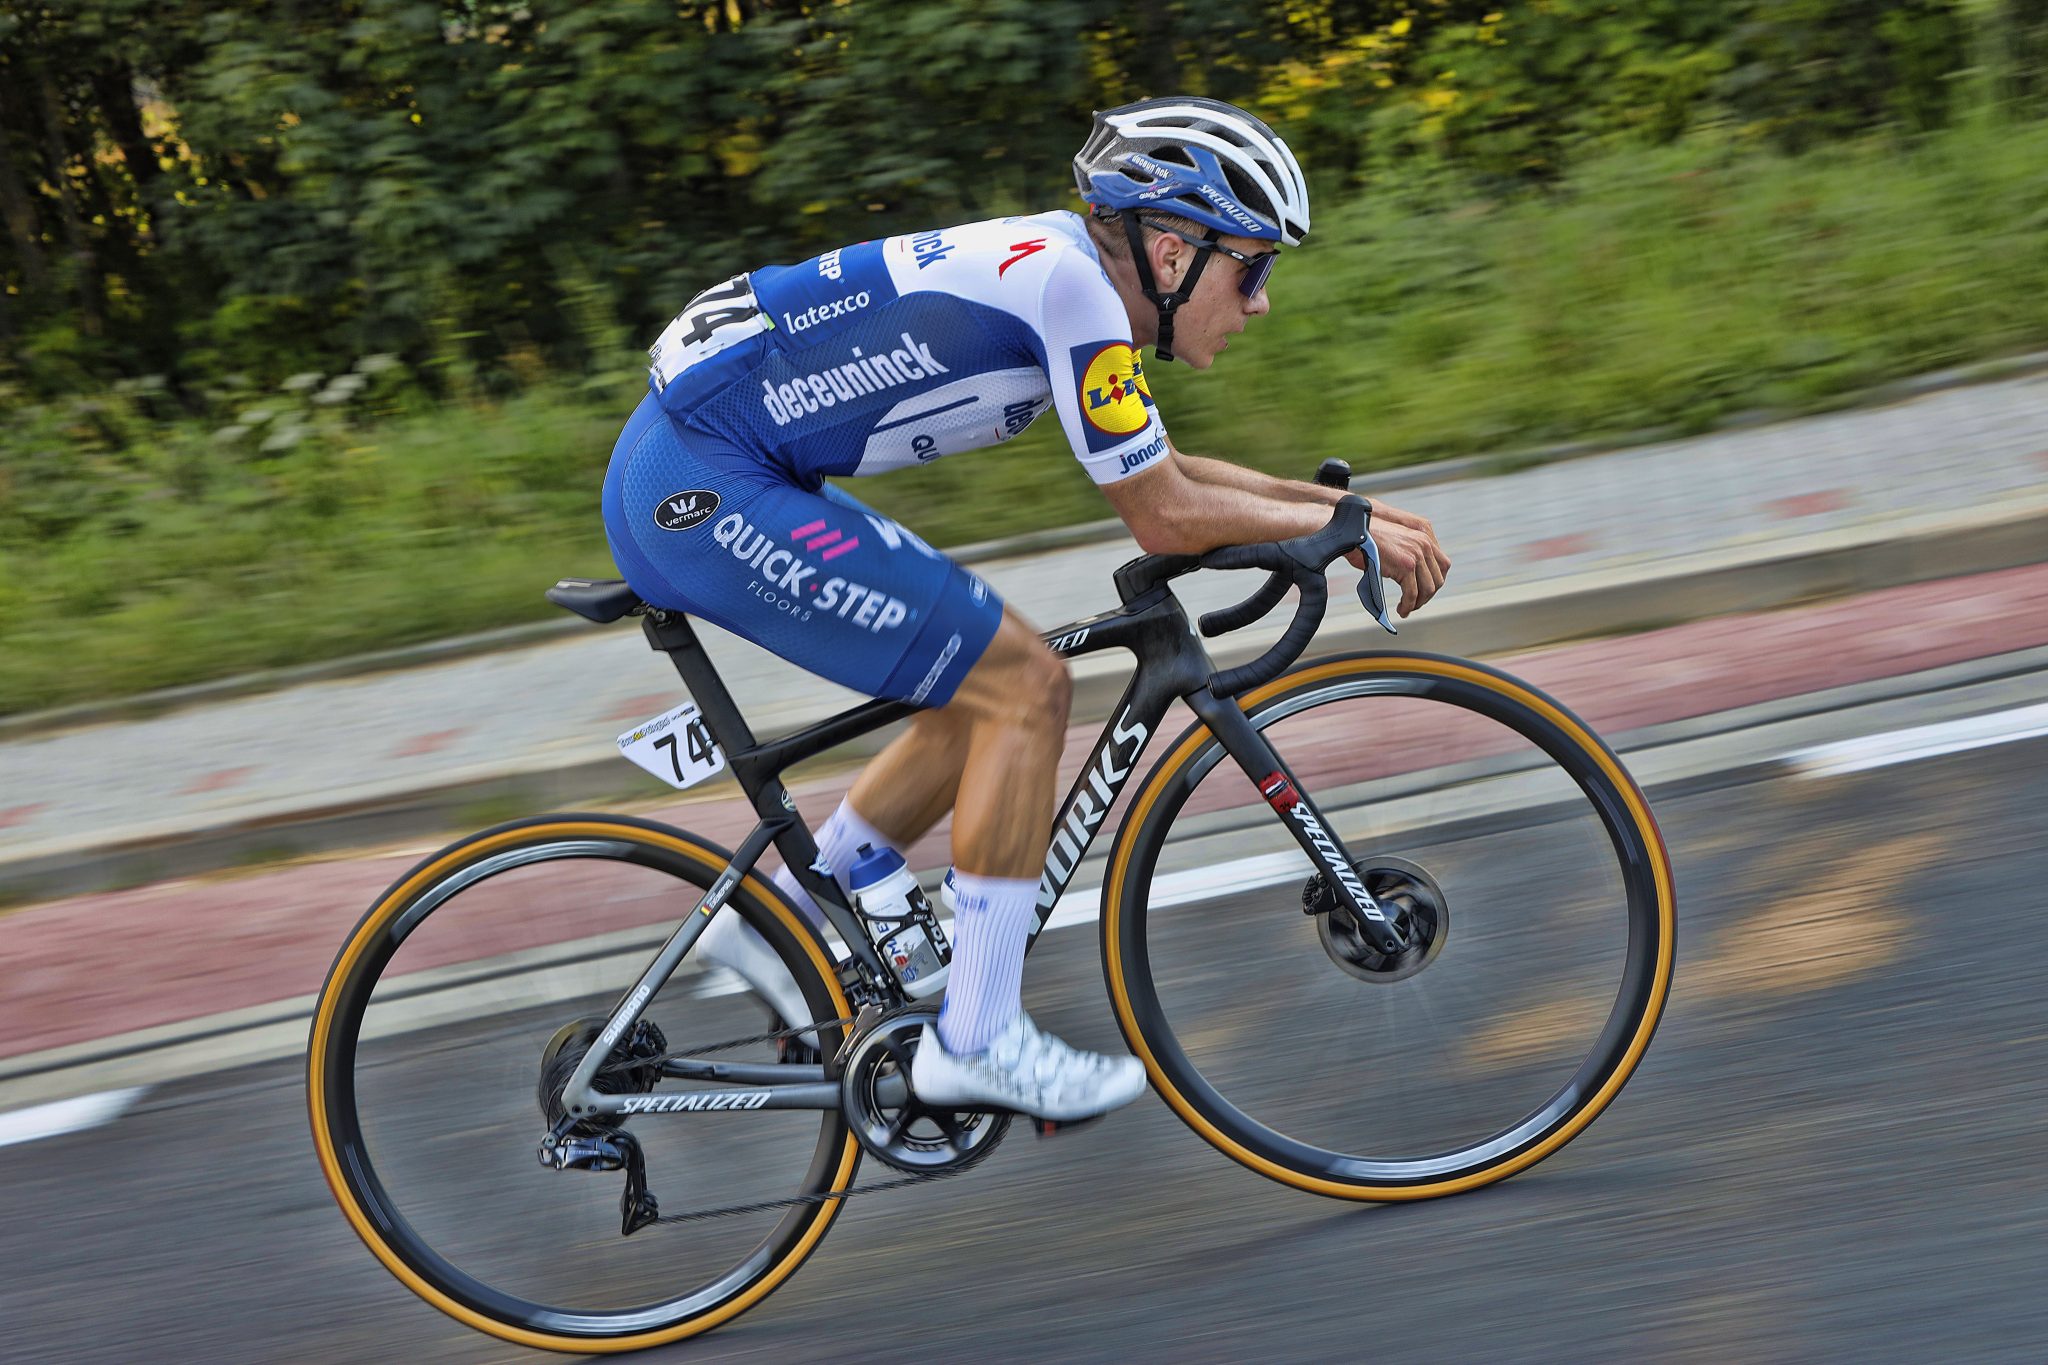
(1097, 377)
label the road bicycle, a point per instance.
(1381, 926)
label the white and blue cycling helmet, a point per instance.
(1199, 159)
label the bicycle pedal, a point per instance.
(1046, 1128)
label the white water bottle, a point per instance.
(900, 919)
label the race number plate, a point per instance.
(675, 746)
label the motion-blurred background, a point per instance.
(1713, 335)
(317, 321)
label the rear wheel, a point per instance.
(1528, 874)
(440, 1041)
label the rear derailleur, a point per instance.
(601, 1144)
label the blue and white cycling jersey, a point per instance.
(896, 352)
(873, 357)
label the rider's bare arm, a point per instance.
(1202, 469)
(1173, 509)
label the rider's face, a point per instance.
(1203, 326)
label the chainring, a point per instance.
(884, 1113)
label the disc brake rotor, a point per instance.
(1410, 897)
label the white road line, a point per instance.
(1922, 741)
(67, 1116)
(1083, 905)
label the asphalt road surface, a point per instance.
(1832, 1152)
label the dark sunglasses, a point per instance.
(1258, 265)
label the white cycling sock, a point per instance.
(839, 839)
(992, 921)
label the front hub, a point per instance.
(1410, 897)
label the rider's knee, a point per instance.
(1036, 688)
(1020, 683)
(1053, 685)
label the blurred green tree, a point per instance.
(497, 190)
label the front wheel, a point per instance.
(451, 1019)
(1526, 869)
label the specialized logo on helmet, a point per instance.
(1114, 395)
(1229, 207)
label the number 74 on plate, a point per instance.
(675, 746)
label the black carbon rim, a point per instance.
(337, 1079)
(1418, 1175)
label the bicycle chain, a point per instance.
(675, 1054)
(792, 1201)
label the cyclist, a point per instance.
(890, 353)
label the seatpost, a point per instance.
(669, 632)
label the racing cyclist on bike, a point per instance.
(885, 354)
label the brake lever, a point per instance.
(1372, 592)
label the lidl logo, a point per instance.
(1114, 395)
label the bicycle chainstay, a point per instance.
(795, 1200)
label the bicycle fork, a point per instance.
(1298, 812)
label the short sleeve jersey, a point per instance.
(901, 351)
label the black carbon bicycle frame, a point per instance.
(1171, 665)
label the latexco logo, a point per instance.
(784, 581)
(864, 374)
(811, 317)
(687, 510)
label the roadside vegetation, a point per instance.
(280, 381)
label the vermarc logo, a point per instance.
(687, 510)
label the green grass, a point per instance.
(1673, 287)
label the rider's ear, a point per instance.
(1168, 259)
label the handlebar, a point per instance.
(1330, 474)
(1297, 563)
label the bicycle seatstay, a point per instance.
(758, 768)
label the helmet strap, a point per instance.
(1165, 303)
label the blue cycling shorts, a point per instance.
(809, 574)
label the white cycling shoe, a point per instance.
(1030, 1072)
(730, 942)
